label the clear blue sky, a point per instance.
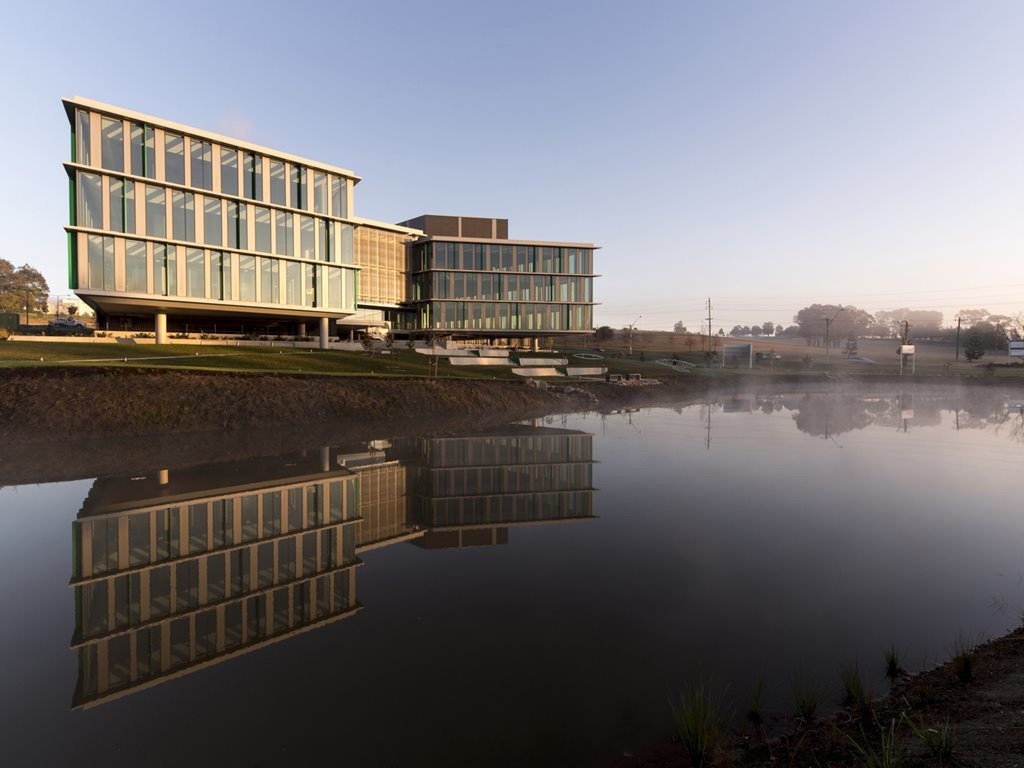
(765, 154)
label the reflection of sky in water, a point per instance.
(775, 552)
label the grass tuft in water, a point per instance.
(964, 653)
(807, 696)
(700, 718)
(855, 696)
(937, 740)
(893, 663)
(755, 712)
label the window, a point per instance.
(122, 206)
(228, 171)
(334, 288)
(135, 266)
(129, 207)
(156, 212)
(253, 188)
(101, 263)
(269, 282)
(212, 221)
(323, 237)
(220, 275)
(195, 273)
(339, 197)
(347, 256)
(83, 140)
(247, 278)
(165, 270)
(309, 281)
(238, 235)
(307, 237)
(174, 158)
(293, 283)
(298, 183)
(112, 144)
(277, 182)
(262, 217)
(197, 538)
(183, 216)
(319, 192)
(90, 201)
(284, 241)
(202, 164)
(143, 151)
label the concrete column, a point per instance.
(165, 477)
(161, 327)
(325, 459)
(302, 329)
(325, 325)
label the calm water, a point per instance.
(523, 596)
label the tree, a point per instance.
(850, 350)
(679, 327)
(604, 333)
(756, 330)
(975, 348)
(21, 284)
(843, 322)
(972, 317)
(72, 309)
(925, 322)
(768, 328)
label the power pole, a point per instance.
(957, 355)
(711, 346)
(828, 348)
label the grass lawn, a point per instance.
(932, 360)
(214, 357)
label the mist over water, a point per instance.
(523, 595)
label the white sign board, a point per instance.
(906, 349)
(1016, 348)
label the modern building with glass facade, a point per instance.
(468, 278)
(176, 228)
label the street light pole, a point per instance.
(632, 326)
(828, 324)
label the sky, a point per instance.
(765, 155)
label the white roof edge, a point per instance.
(160, 122)
(359, 220)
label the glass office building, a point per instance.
(466, 277)
(172, 228)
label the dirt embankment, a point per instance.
(55, 404)
(966, 713)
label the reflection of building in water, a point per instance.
(176, 571)
(168, 577)
(467, 491)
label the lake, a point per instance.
(531, 594)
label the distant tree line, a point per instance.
(979, 329)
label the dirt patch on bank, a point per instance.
(51, 404)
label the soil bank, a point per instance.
(984, 713)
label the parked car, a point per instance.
(67, 326)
